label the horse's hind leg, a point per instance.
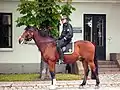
(92, 66)
(86, 72)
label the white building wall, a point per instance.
(25, 54)
(14, 60)
(20, 53)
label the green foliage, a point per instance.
(67, 9)
(43, 13)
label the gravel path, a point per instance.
(107, 82)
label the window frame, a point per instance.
(11, 25)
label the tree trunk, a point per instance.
(44, 70)
(77, 68)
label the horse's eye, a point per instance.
(28, 33)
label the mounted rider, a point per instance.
(65, 37)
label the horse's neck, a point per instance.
(40, 41)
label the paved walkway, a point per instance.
(108, 82)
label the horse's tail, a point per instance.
(96, 61)
(96, 65)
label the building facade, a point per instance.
(98, 20)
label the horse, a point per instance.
(83, 51)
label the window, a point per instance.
(5, 30)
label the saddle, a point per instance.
(69, 48)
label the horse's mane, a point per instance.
(44, 32)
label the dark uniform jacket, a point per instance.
(67, 32)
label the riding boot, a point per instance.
(61, 55)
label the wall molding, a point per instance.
(77, 29)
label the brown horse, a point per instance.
(83, 51)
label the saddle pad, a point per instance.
(69, 49)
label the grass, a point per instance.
(68, 77)
(35, 77)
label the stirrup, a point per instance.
(60, 61)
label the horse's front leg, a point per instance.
(51, 65)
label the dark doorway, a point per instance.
(95, 31)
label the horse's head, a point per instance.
(27, 35)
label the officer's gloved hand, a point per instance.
(65, 38)
(59, 38)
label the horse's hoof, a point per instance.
(52, 87)
(97, 87)
(97, 84)
(81, 86)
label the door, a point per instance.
(95, 31)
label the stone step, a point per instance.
(108, 66)
(109, 72)
(106, 63)
(109, 69)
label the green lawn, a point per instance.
(33, 77)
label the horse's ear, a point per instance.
(26, 28)
(36, 28)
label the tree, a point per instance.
(43, 13)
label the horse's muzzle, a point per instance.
(21, 40)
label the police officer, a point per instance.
(65, 38)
